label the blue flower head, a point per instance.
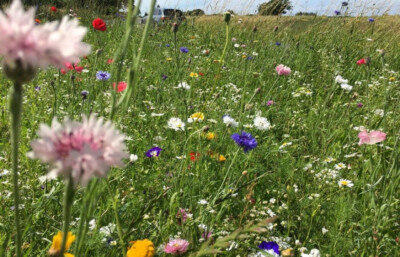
(337, 12)
(153, 152)
(269, 246)
(371, 19)
(103, 75)
(278, 43)
(184, 50)
(245, 140)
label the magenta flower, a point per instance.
(38, 46)
(176, 246)
(283, 70)
(371, 138)
(80, 150)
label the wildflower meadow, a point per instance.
(219, 135)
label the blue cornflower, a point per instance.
(103, 75)
(153, 152)
(245, 140)
(269, 246)
(371, 19)
(337, 12)
(344, 4)
(37, 88)
(250, 57)
(84, 94)
(164, 77)
(184, 50)
(167, 45)
(278, 43)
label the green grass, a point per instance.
(308, 129)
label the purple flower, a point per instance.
(84, 94)
(245, 140)
(164, 77)
(153, 152)
(269, 246)
(359, 105)
(167, 45)
(37, 88)
(278, 43)
(250, 57)
(344, 4)
(184, 50)
(337, 12)
(103, 75)
(371, 19)
(270, 102)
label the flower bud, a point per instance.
(175, 27)
(19, 74)
(227, 17)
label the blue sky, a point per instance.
(325, 7)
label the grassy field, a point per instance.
(307, 170)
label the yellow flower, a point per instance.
(210, 136)
(221, 158)
(392, 78)
(56, 246)
(194, 75)
(197, 116)
(169, 59)
(244, 56)
(288, 252)
(141, 248)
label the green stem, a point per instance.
(16, 109)
(69, 195)
(119, 228)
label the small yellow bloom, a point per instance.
(392, 78)
(56, 246)
(197, 116)
(169, 59)
(288, 252)
(194, 75)
(141, 248)
(244, 56)
(210, 136)
(221, 158)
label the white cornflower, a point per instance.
(133, 158)
(229, 121)
(262, 123)
(183, 85)
(176, 124)
(202, 202)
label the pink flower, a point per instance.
(38, 46)
(81, 150)
(176, 246)
(371, 138)
(121, 86)
(283, 70)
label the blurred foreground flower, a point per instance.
(141, 248)
(27, 46)
(55, 248)
(80, 150)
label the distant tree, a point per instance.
(195, 12)
(306, 14)
(274, 7)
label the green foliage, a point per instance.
(274, 7)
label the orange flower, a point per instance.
(141, 248)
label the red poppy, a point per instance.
(361, 61)
(194, 156)
(63, 71)
(109, 61)
(53, 9)
(121, 86)
(201, 74)
(37, 21)
(78, 69)
(99, 24)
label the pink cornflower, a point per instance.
(80, 150)
(176, 246)
(32, 46)
(283, 70)
(371, 138)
